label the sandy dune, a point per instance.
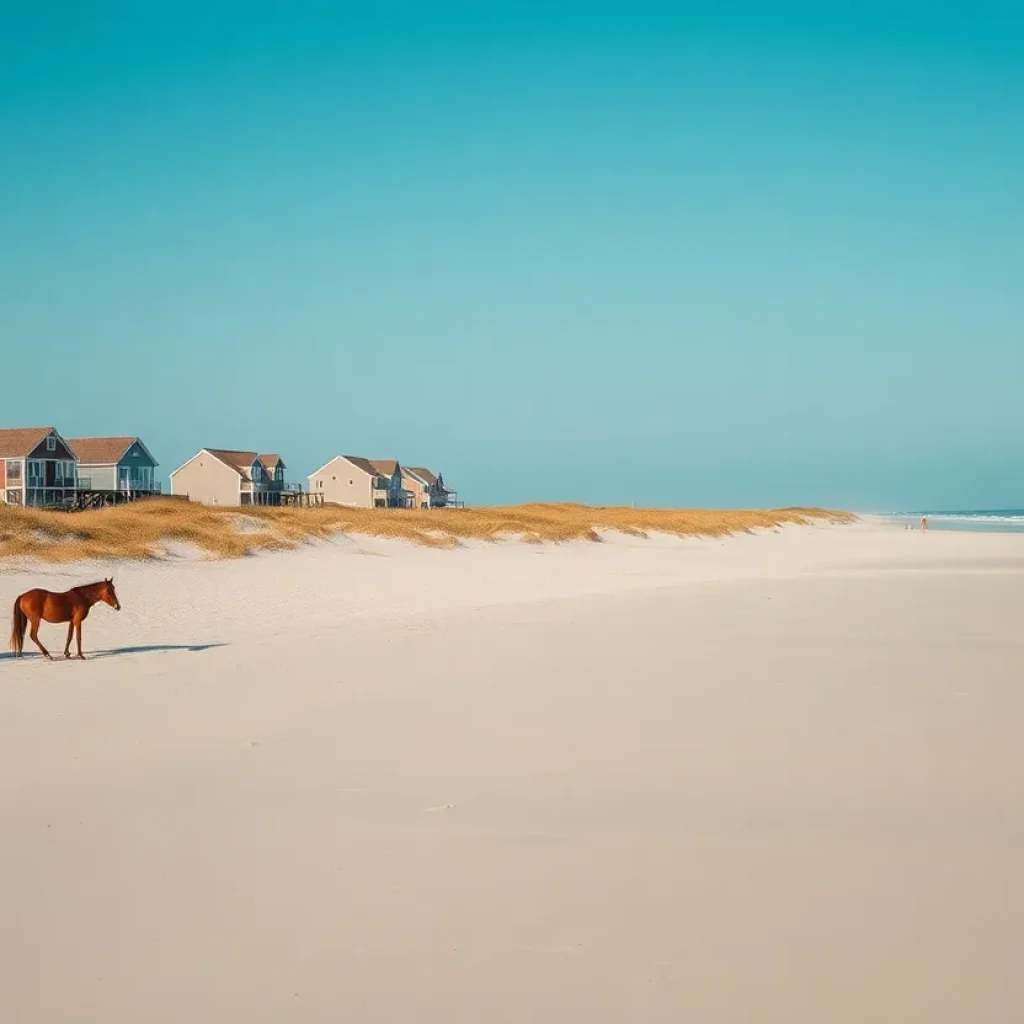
(772, 778)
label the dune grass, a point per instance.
(151, 529)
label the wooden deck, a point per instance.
(86, 499)
(301, 499)
(91, 499)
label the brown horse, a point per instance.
(71, 607)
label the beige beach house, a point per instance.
(361, 483)
(226, 476)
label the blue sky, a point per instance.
(699, 254)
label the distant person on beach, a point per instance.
(924, 522)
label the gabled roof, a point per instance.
(360, 463)
(240, 462)
(363, 465)
(18, 442)
(371, 467)
(428, 478)
(100, 451)
(384, 467)
(423, 475)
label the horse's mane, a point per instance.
(88, 586)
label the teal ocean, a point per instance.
(976, 521)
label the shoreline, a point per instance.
(1007, 521)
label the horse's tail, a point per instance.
(18, 624)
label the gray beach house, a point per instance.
(115, 465)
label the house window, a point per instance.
(34, 471)
(14, 471)
(51, 443)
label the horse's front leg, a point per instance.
(78, 637)
(67, 646)
(34, 633)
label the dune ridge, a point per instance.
(150, 529)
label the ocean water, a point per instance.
(977, 521)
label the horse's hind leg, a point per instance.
(78, 635)
(67, 646)
(34, 633)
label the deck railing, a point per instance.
(85, 483)
(153, 487)
(49, 497)
(269, 485)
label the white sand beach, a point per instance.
(770, 778)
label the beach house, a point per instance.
(429, 490)
(416, 488)
(122, 467)
(225, 476)
(393, 493)
(37, 468)
(361, 483)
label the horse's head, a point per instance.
(109, 594)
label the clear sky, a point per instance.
(702, 254)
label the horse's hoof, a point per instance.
(79, 657)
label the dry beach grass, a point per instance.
(149, 529)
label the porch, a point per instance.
(445, 499)
(50, 497)
(388, 498)
(128, 485)
(269, 492)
